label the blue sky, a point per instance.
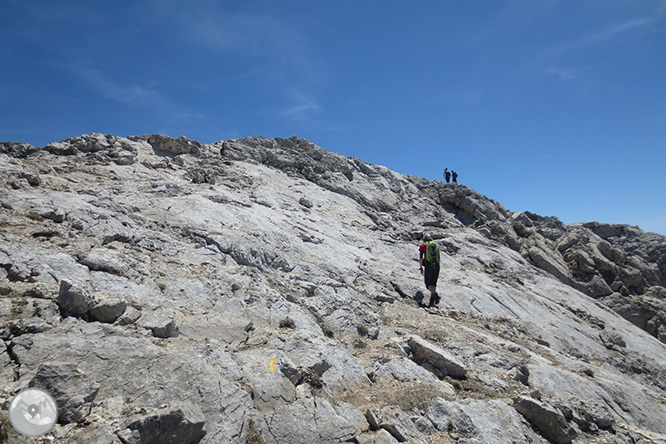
(552, 106)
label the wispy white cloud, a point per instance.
(606, 35)
(302, 108)
(269, 44)
(619, 29)
(565, 73)
(563, 58)
(132, 95)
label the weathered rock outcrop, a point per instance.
(267, 291)
(620, 265)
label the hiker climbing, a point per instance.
(429, 266)
(447, 175)
(455, 176)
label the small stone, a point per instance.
(74, 298)
(108, 310)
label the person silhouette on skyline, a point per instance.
(455, 176)
(447, 175)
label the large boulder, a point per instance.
(547, 419)
(441, 361)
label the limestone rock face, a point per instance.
(266, 290)
(619, 265)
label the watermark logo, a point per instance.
(33, 412)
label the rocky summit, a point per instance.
(265, 290)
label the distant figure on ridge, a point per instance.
(455, 177)
(447, 175)
(429, 266)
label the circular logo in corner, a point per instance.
(33, 412)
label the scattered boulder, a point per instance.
(160, 324)
(443, 363)
(305, 202)
(74, 298)
(78, 299)
(547, 419)
(107, 308)
(130, 316)
(398, 424)
(612, 339)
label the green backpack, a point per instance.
(432, 251)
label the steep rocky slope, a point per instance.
(267, 291)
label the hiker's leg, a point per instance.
(433, 295)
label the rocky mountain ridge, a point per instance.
(267, 291)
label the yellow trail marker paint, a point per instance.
(272, 364)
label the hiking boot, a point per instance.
(437, 299)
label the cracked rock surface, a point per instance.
(267, 291)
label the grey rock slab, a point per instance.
(96, 434)
(262, 369)
(190, 290)
(32, 263)
(550, 262)
(145, 295)
(379, 437)
(308, 421)
(612, 339)
(130, 316)
(353, 416)
(342, 372)
(484, 421)
(443, 361)
(394, 421)
(225, 329)
(166, 144)
(104, 259)
(17, 149)
(182, 423)
(73, 391)
(610, 394)
(107, 308)
(140, 374)
(160, 323)
(404, 369)
(547, 419)
(31, 315)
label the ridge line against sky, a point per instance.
(556, 107)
